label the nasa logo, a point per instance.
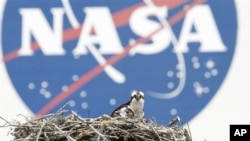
(93, 53)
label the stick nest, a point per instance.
(69, 126)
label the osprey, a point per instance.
(133, 108)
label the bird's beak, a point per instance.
(137, 97)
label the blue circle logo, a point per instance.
(92, 54)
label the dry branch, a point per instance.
(72, 127)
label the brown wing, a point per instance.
(114, 113)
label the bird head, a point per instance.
(137, 95)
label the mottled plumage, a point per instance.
(133, 108)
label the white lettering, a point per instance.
(143, 26)
(201, 18)
(98, 29)
(34, 23)
(239, 132)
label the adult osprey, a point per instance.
(133, 108)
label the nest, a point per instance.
(69, 126)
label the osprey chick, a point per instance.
(133, 108)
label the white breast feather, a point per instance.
(137, 107)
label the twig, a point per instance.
(189, 132)
(100, 135)
(25, 117)
(70, 138)
(6, 122)
(156, 133)
(39, 133)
